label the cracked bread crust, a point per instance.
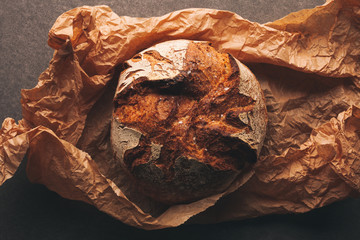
(187, 120)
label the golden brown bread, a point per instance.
(187, 120)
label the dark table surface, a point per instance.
(30, 211)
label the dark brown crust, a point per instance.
(190, 126)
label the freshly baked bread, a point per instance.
(187, 120)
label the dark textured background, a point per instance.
(30, 211)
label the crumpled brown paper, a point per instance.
(308, 64)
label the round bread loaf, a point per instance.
(187, 120)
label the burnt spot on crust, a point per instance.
(171, 86)
(196, 118)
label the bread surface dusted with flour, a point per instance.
(187, 120)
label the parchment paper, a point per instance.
(308, 65)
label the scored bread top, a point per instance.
(185, 100)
